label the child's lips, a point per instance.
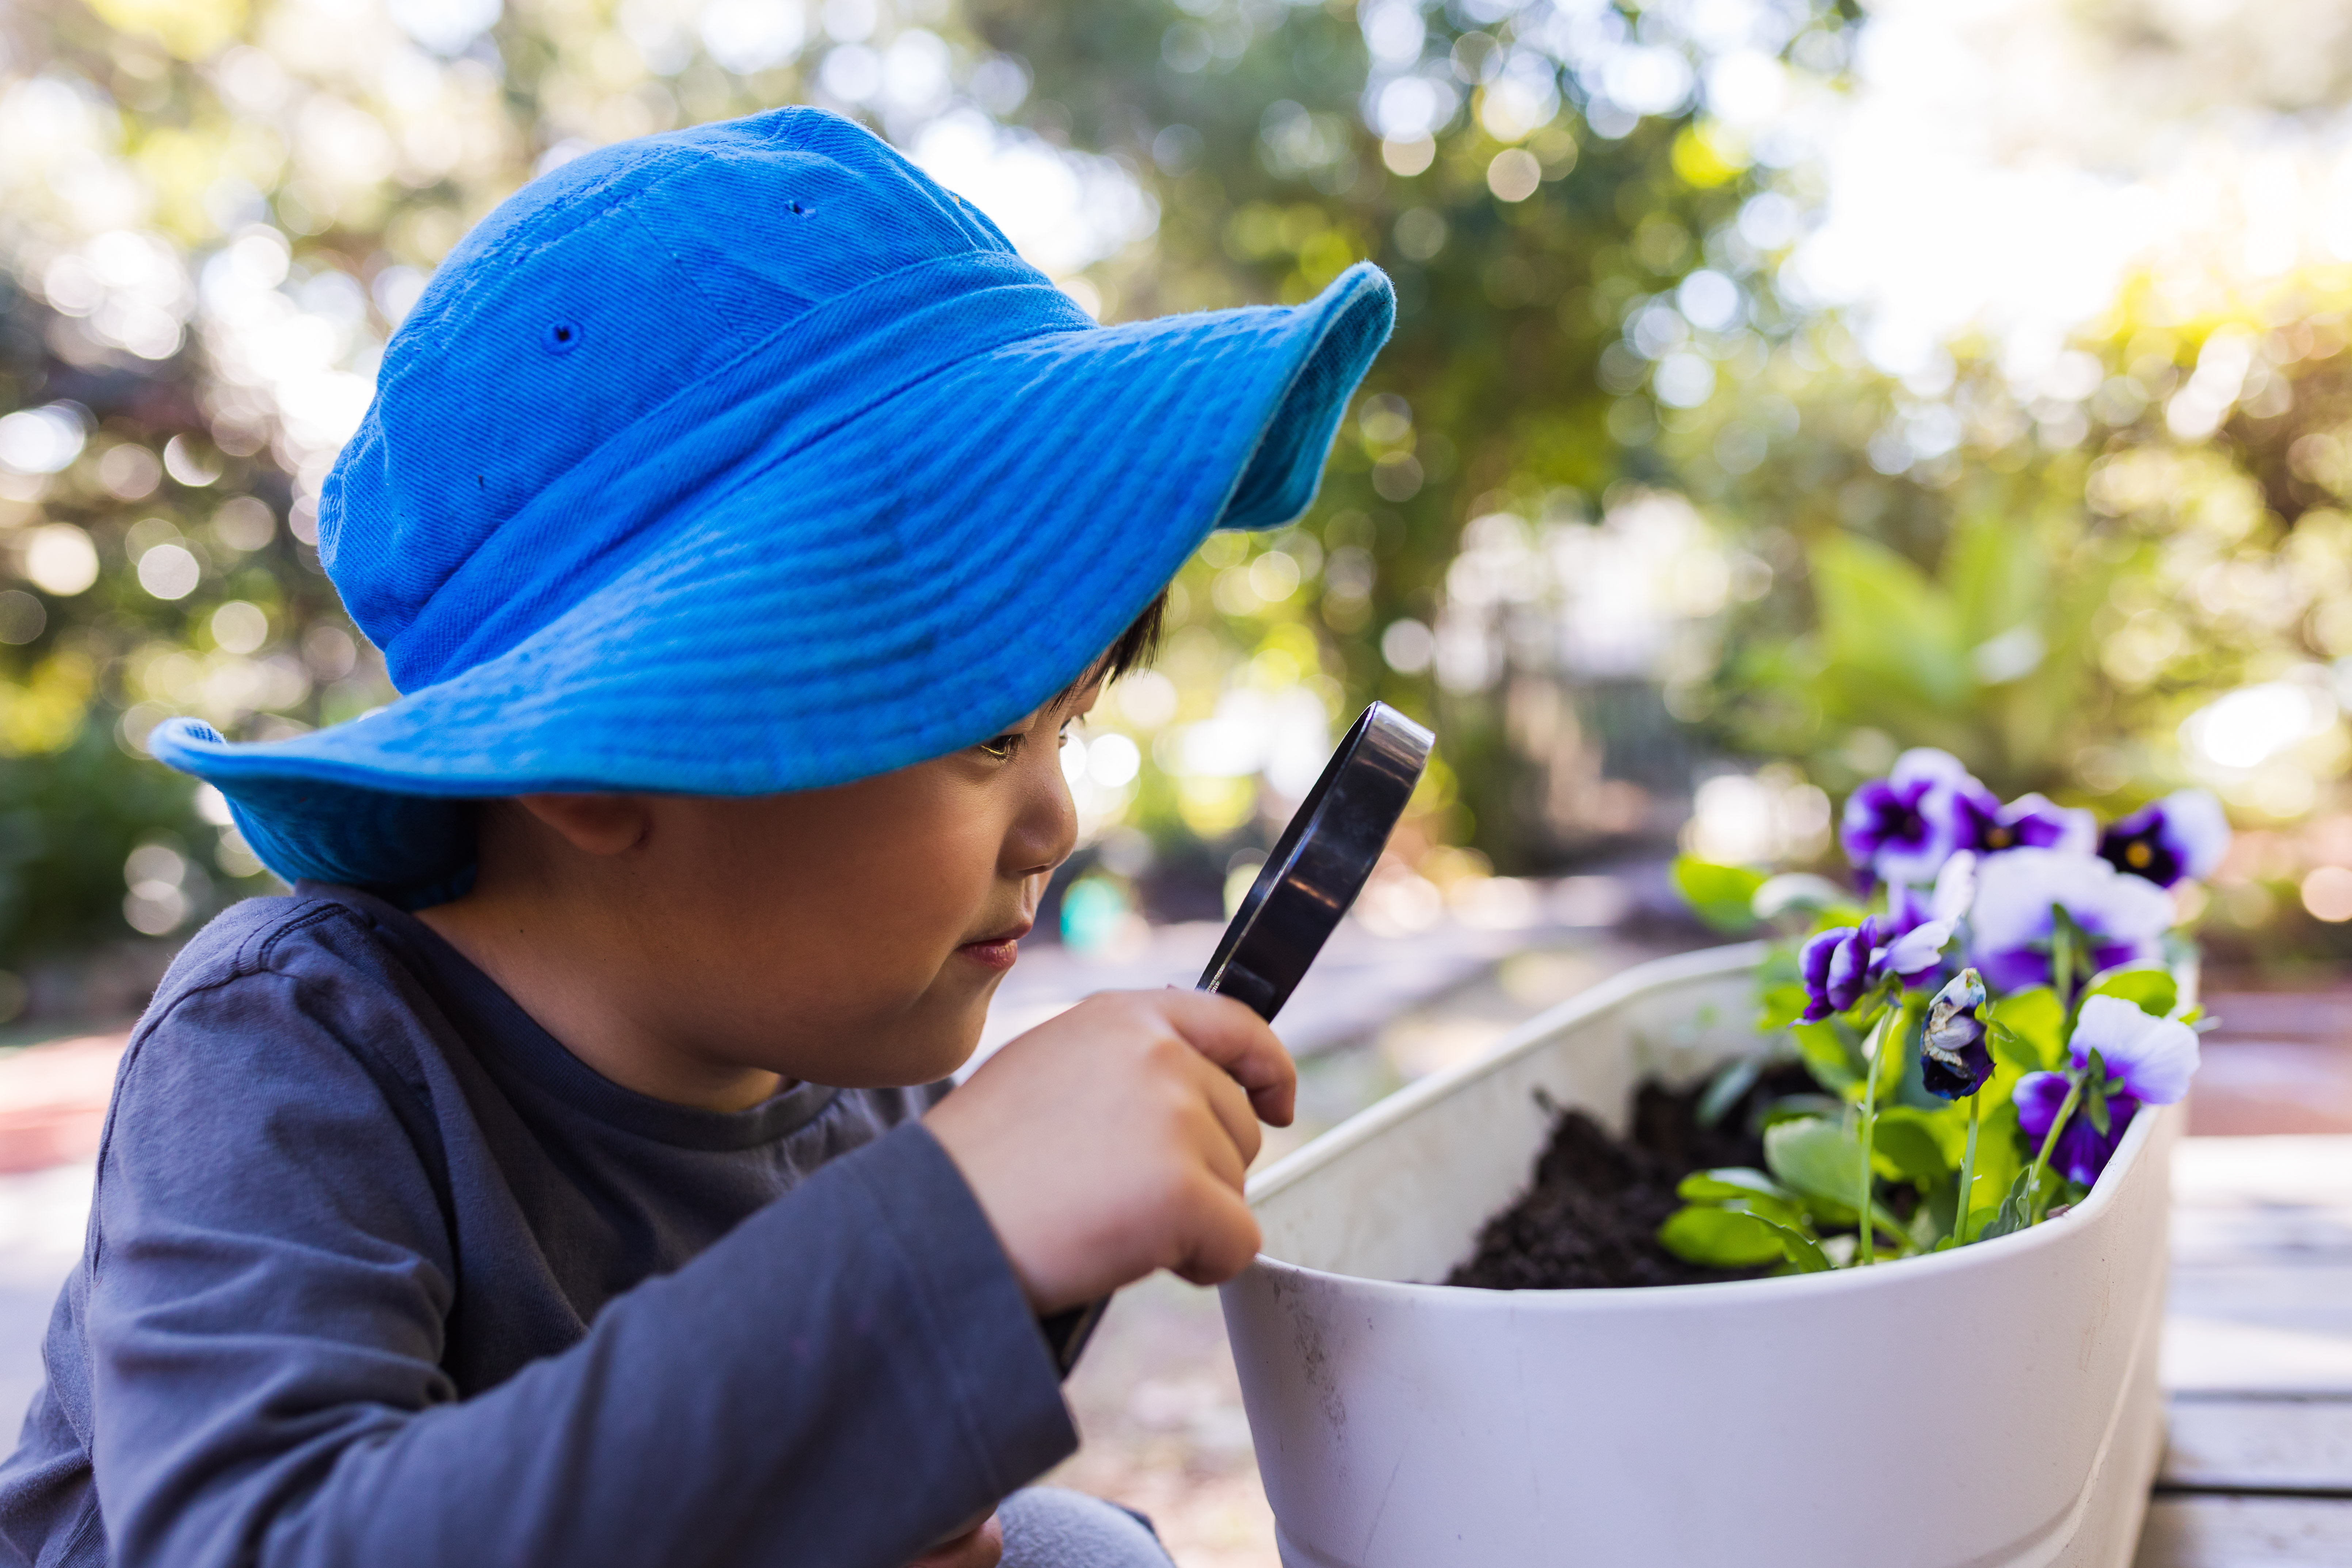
(997, 951)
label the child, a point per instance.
(550, 1178)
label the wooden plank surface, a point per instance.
(2280, 1444)
(2258, 1343)
(2262, 1267)
(2245, 1533)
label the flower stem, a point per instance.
(2062, 956)
(2049, 1141)
(1969, 1172)
(1874, 1061)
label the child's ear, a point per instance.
(593, 824)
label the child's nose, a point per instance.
(1046, 829)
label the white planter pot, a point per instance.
(1992, 1407)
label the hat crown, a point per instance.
(588, 299)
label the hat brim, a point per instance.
(910, 584)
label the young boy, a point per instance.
(552, 1178)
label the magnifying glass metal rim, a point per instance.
(1321, 862)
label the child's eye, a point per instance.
(1001, 747)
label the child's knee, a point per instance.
(1046, 1527)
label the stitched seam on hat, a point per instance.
(530, 235)
(679, 265)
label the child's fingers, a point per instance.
(1235, 1115)
(1240, 1042)
(1225, 1239)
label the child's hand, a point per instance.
(981, 1546)
(1113, 1141)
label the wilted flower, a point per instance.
(2184, 835)
(1953, 1060)
(1902, 827)
(2011, 929)
(2029, 822)
(2152, 1057)
(1846, 963)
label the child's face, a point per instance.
(850, 936)
(854, 936)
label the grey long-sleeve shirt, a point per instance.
(377, 1272)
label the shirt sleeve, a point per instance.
(848, 1375)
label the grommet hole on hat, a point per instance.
(560, 338)
(803, 209)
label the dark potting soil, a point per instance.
(1591, 1217)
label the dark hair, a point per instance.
(1131, 652)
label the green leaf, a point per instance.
(2152, 991)
(1728, 1182)
(1897, 1045)
(1802, 892)
(1782, 1005)
(1819, 1158)
(1729, 1086)
(1999, 1157)
(2035, 1024)
(2011, 1215)
(1907, 1145)
(1797, 1107)
(1800, 1247)
(1722, 895)
(1721, 1239)
(1750, 1191)
(1830, 1054)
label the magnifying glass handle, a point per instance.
(1068, 1331)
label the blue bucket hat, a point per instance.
(745, 460)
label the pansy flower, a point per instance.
(1909, 908)
(1954, 1060)
(2152, 1061)
(2082, 1150)
(2029, 822)
(2183, 835)
(1902, 827)
(1846, 963)
(2011, 930)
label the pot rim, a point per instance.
(1705, 965)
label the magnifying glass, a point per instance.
(1319, 866)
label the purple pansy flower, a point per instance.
(2082, 1150)
(2183, 836)
(2029, 822)
(2152, 1057)
(1842, 964)
(2009, 925)
(1953, 1060)
(1902, 827)
(1910, 908)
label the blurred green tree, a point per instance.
(1476, 153)
(215, 214)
